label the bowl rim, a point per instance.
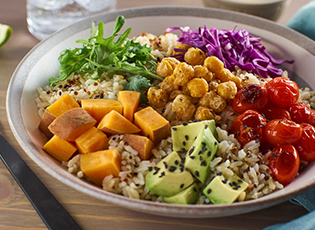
(249, 3)
(15, 89)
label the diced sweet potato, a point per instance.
(45, 121)
(141, 144)
(115, 123)
(60, 149)
(152, 124)
(97, 165)
(62, 105)
(72, 124)
(91, 141)
(130, 101)
(98, 108)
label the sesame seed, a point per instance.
(165, 164)
(174, 128)
(209, 191)
(186, 137)
(184, 143)
(197, 173)
(172, 168)
(182, 186)
(185, 123)
(162, 174)
(176, 162)
(191, 150)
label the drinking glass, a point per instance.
(44, 17)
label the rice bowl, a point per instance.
(158, 208)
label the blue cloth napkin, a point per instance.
(306, 222)
(302, 21)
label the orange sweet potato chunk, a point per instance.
(91, 141)
(115, 123)
(62, 105)
(141, 144)
(60, 149)
(45, 121)
(97, 165)
(152, 124)
(72, 124)
(98, 108)
(130, 101)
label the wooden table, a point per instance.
(17, 213)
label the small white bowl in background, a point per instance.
(269, 9)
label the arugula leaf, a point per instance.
(140, 84)
(98, 55)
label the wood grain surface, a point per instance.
(17, 213)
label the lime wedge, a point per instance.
(5, 32)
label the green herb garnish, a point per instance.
(99, 55)
(140, 84)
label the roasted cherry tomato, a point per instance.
(248, 126)
(282, 91)
(300, 113)
(273, 111)
(306, 145)
(284, 163)
(252, 96)
(282, 131)
(312, 118)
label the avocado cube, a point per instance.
(168, 177)
(187, 196)
(224, 191)
(184, 135)
(201, 153)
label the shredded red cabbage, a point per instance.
(234, 48)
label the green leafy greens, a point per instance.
(99, 55)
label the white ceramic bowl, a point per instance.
(269, 9)
(42, 62)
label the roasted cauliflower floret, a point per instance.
(214, 64)
(213, 84)
(174, 94)
(224, 75)
(195, 56)
(204, 113)
(157, 97)
(202, 72)
(166, 67)
(197, 87)
(183, 74)
(168, 84)
(238, 81)
(213, 101)
(183, 107)
(227, 90)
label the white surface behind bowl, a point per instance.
(269, 9)
(42, 62)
